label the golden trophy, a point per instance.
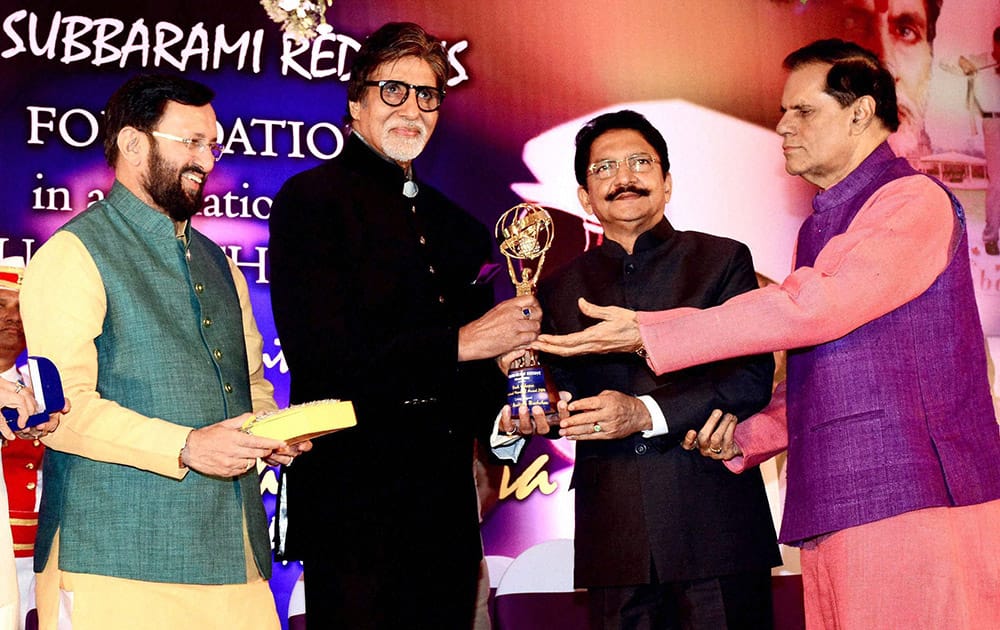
(524, 233)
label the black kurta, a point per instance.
(369, 288)
(646, 502)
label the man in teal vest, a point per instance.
(151, 514)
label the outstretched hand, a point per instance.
(618, 331)
(716, 438)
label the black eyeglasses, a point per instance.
(395, 93)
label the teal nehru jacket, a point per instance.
(157, 356)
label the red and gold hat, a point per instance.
(11, 273)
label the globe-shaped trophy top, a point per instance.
(525, 232)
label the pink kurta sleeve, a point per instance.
(763, 435)
(893, 250)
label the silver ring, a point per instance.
(597, 428)
(18, 387)
(717, 451)
(526, 312)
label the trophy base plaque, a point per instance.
(531, 386)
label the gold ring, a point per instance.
(597, 428)
(250, 463)
(18, 387)
(717, 451)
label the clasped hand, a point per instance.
(507, 327)
(716, 439)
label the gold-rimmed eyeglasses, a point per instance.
(193, 144)
(637, 163)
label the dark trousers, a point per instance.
(733, 602)
(400, 596)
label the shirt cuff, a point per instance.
(659, 421)
(504, 446)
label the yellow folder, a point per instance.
(303, 422)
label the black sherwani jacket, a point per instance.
(369, 289)
(644, 503)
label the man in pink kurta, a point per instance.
(893, 487)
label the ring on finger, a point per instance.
(716, 450)
(597, 427)
(18, 387)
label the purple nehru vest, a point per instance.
(896, 415)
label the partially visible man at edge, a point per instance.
(20, 456)
(380, 292)
(151, 514)
(893, 492)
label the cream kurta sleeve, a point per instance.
(63, 308)
(897, 245)
(261, 390)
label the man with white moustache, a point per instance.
(380, 292)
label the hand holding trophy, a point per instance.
(524, 233)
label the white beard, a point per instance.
(403, 149)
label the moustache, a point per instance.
(414, 126)
(642, 192)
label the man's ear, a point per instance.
(132, 145)
(354, 107)
(584, 198)
(863, 113)
(668, 187)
